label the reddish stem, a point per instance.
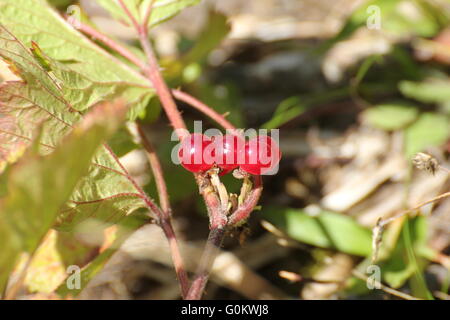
(156, 167)
(193, 102)
(177, 259)
(152, 72)
(242, 212)
(216, 236)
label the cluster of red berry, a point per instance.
(259, 155)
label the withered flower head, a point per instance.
(423, 161)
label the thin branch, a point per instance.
(177, 259)
(167, 101)
(193, 102)
(155, 76)
(156, 167)
(405, 212)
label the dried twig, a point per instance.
(386, 289)
(421, 161)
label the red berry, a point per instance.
(226, 152)
(195, 153)
(262, 154)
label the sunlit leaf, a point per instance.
(38, 186)
(431, 91)
(37, 21)
(431, 129)
(107, 193)
(49, 264)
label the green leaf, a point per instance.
(38, 186)
(293, 107)
(391, 116)
(80, 92)
(401, 264)
(37, 21)
(287, 110)
(431, 129)
(122, 142)
(430, 91)
(216, 29)
(162, 9)
(107, 193)
(325, 230)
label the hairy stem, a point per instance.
(177, 259)
(212, 247)
(155, 76)
(218, 224)
(156, 167)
